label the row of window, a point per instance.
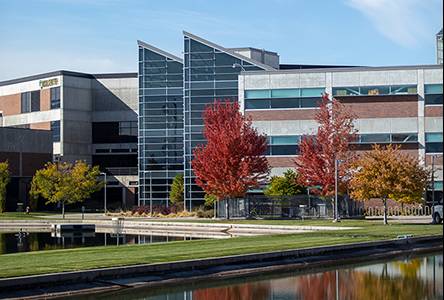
(282, 103)
(284, 93)
(308, 97)
(116, 150)
(386, 138)
(288, 145)
(375, 90)
(30, 101)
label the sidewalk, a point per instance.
(404, 219)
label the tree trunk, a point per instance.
(63, 209)
(384, 200)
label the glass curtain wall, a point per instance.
(160, 123)
(210, 74)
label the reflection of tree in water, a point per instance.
(409, 268)
(362, 285)
(248, 291)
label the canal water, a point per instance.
(409, 278)
(37, 241)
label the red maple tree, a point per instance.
(316, 162)
(233, 160)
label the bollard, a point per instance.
(83, 212)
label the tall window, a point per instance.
(433, 94)
(55, 130)
(30, 101)
(434, 142)
(55, 97)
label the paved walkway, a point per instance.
(404, 219)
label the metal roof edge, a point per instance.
(228, 51)
(344, 69)
(159, 51)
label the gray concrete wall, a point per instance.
(76, 104)
(25, 140)
(115, 99)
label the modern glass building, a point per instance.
(210, 73)
(160, 123)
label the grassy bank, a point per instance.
(24, 216)
(20, 264)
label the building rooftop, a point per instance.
(68, 73)
(320, 69)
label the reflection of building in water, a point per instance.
(414, 279)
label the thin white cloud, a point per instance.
(402, 21)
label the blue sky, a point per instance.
(100, 36)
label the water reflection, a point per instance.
(36, 241)
(415, 278)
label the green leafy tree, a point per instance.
(4, 180)
(210, 200)
(286, 185)
(177, 190)
(65, 183)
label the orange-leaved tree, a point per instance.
(318, 153)
(388, 173)
(233, 159)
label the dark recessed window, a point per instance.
(434, 142)
(55, 97)
(26, 102)
(55, 130)
(433, 94)
(30, 101)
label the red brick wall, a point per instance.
(278, 115)
(281, 161)
(42, 126)
(433, 111)
(438, 159)
(382, 106)
(10, 104)
(45, 100)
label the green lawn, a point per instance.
(23, 216)
(19, 264)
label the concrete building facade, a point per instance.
(90, 117)
(398, 105)
(25, 150)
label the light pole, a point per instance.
(336, 212)
(151, 195)
(433, 182)
(104, 191)
(236, 65)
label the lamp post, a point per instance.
(433, 182)
(104, 191)
(236, 65)
(336, 212)
(151, 195)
